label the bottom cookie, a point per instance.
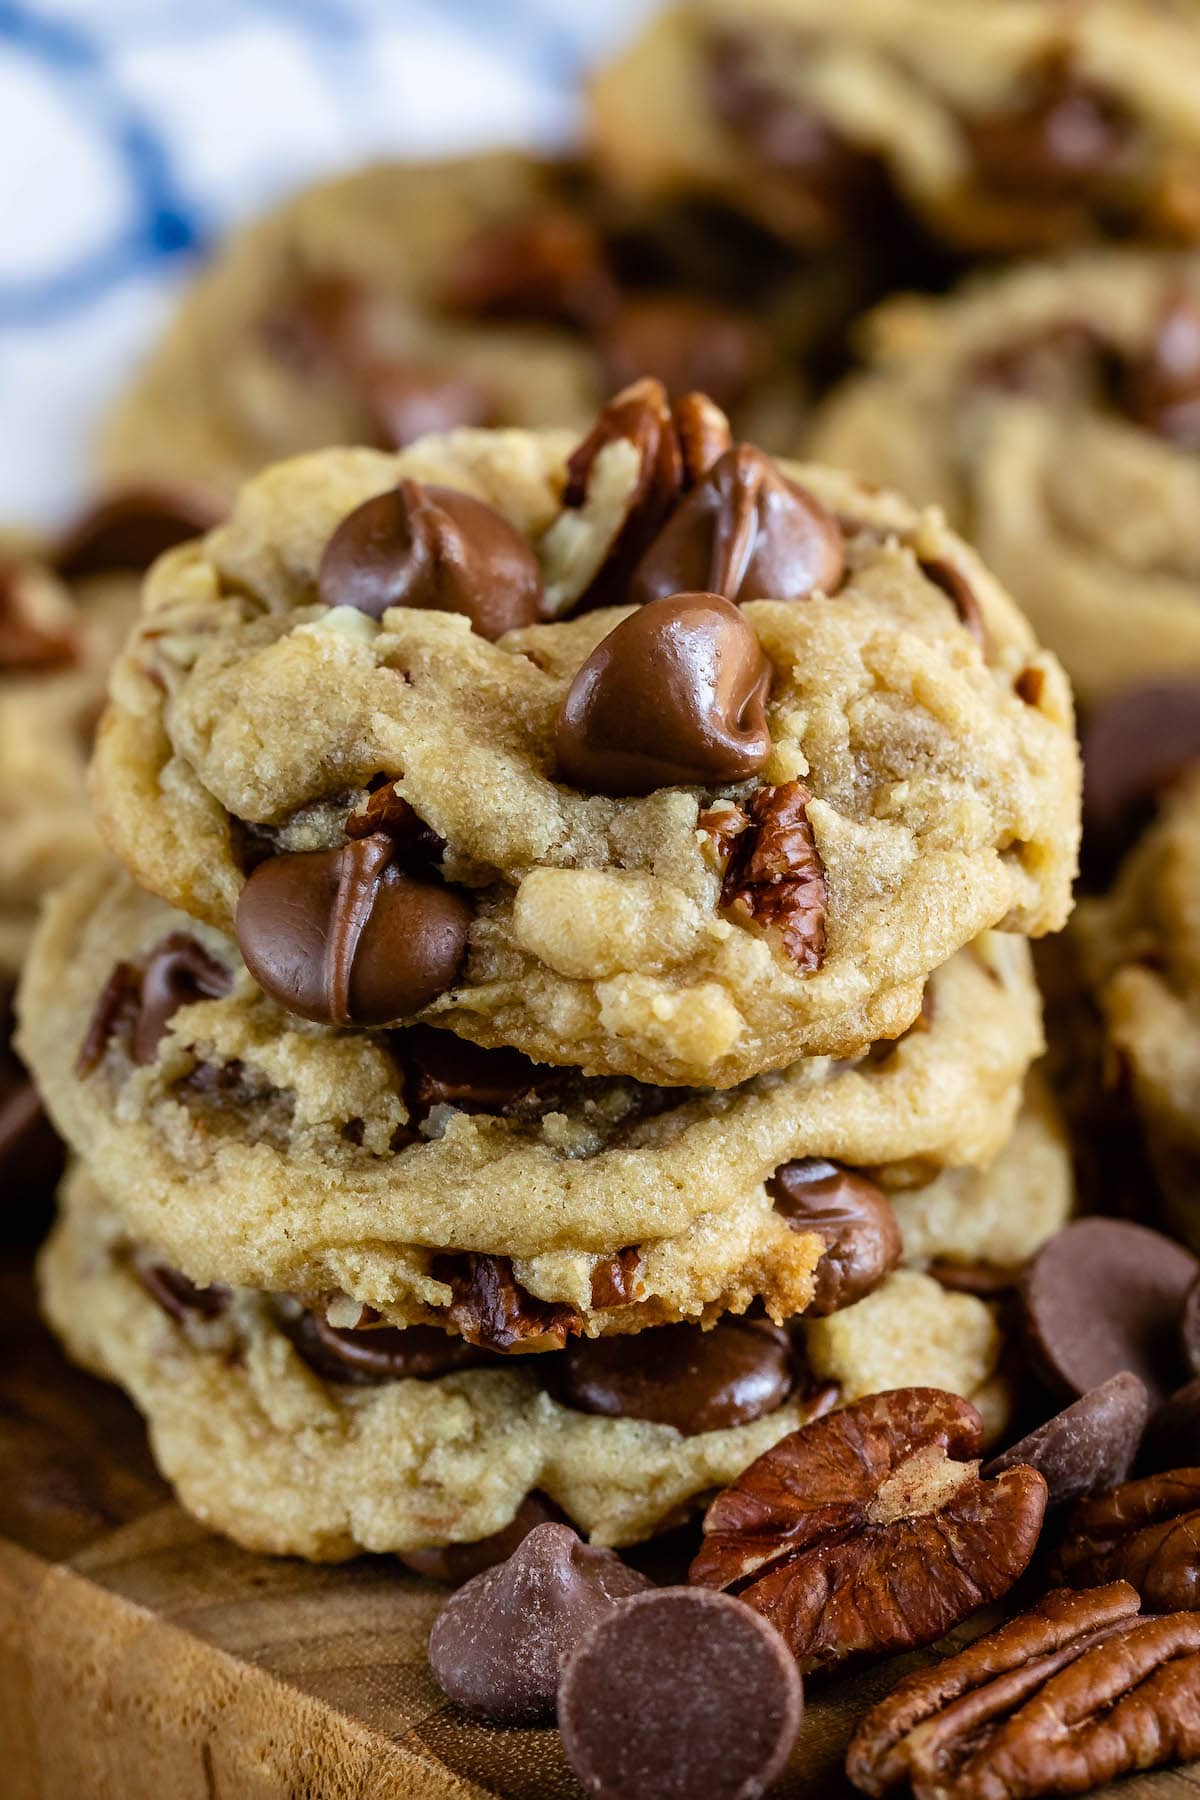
(276, 1435)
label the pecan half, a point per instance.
(27, 643)
(1068, 1696)
(775, 877)
(870, 1530)
(1146, 1532)
(491, 1308)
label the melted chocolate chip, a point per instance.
(682, 1693)
(614, 1281)
(456, 1563)
(1135, 744)
(137, 1004)
(498, 1645)
(178, 1296)
(959, 591)
(1161, 390)
(433, 547)
(680, 1375)
(1105, 1295)
(346, 937)
(178, 972)
(853, 1217)
(548, 265)
(386, 811)
(746, 532)
(380, 1353)
(411, 400)
(1066, 143)
(131, 528)
(445, 1070)
(674, 695)
(686, 343)
(1172, 1439)
(1088, 1447)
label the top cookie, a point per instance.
(686, 841)
(498, 289)
(1030, 124)
(1055, 413)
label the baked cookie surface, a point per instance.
(264, 1441)
(1029, 125)
(498, 289)
(687, 843)
(378, 1168)
(1053, 412)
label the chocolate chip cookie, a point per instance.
(297, 1438)
(498, 289)
(415, 1175)
(997, 128)
(1139, 946)
(1054, 413)
(397, 726)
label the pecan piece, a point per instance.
(28, 642)
(1058, 1701)
(775, 877)
(1146, 1532)
(491, 1308)
(870, 1531)
(614, 1279)
(926, 1714)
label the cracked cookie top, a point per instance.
(390, 726)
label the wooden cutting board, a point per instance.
(142, 1658)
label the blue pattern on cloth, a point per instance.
(136, 132)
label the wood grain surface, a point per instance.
(143, 1658)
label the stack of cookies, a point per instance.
(565, 1016)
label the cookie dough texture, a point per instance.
(259, 1447)
(944, 779)
(288, 1138)
(1139, 947)
(799, 113)
(47, 715)
(249, 370)
(1004, 406)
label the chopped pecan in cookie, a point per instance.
(870, 1531)
(491, 1308)
(775, 877)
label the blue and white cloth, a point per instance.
(133, 133)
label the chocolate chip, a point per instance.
(178, 972)
(1172, 1438)
(680, 1693)
(746, 532)
(1065, 143)
(178, 1296)
(957, 589)
(387, 811)
(689, 344)
(1135, 744)
(680, 1375)
(1161, 390)
(674, 695)
(1189, 1328)
(853, 1217)
(445, 1070)
(547, 265)
(410, 400)
(376, 1354)
(131, 528)
(1088, 1447)
(114, 1013)
(498, 1645)
(346, 937)
(433, 547)
(1102, 1296)
(456, 1563)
